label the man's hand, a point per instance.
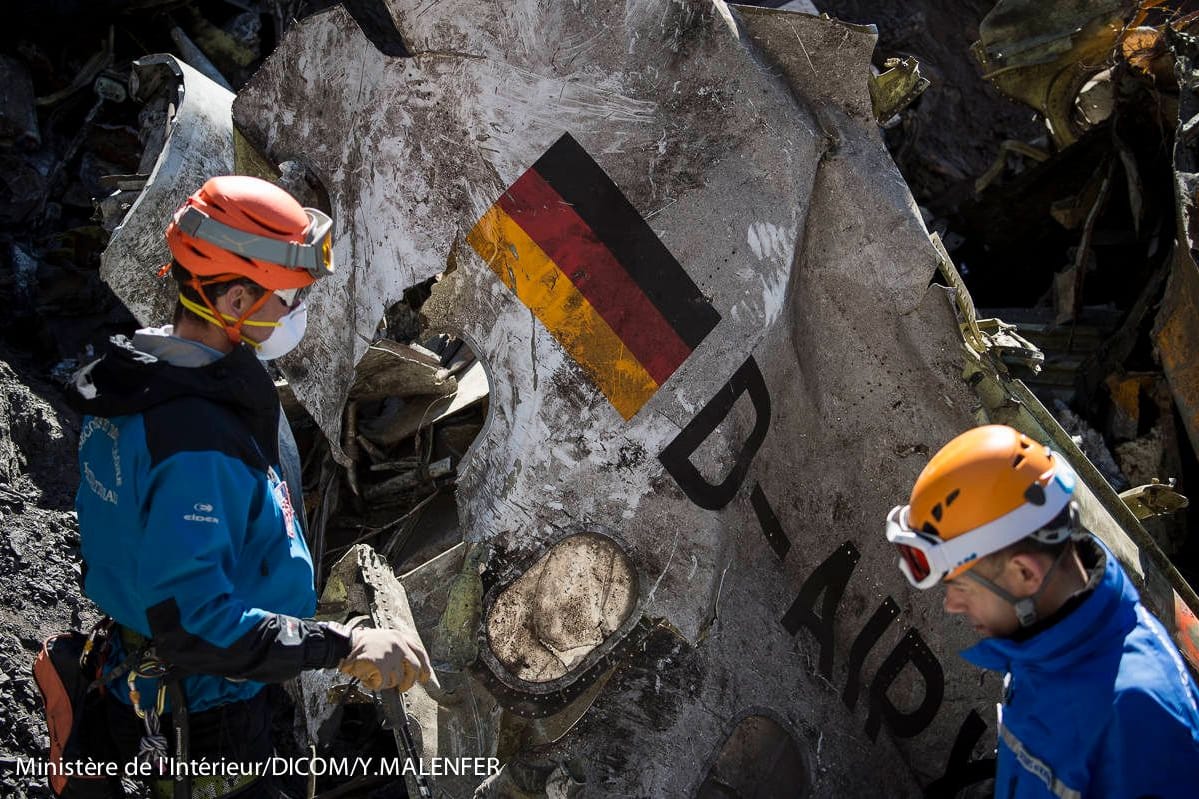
(384, 659)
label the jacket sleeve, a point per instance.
(1146, 751)
(196, 507)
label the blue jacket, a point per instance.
(188, 531)
(1096, 704)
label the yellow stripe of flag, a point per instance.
(570, 318)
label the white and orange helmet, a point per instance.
(984, 490)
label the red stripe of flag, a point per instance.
(581, 256)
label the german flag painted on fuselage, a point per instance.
(574, 250)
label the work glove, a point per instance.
(384, 659)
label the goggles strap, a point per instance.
(311, 255)
(1026, 607)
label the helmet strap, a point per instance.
(232, 330)
(1026, 607)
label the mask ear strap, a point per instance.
(253, 309)
(233, 331)
(1026, 607)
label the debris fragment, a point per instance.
(1176, 329)
(196, 59)
(1144, 48)
(561, 608)
(392, 369)
(896, 88)
(196, 141)
(1042, 54)
(1096, 99)
(1157, 505)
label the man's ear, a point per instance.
(233, 301)
(1025, 573)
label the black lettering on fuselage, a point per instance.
(676, 457)
(827, 585)
(867, 638)
(911, 649)
(960, 770)
(828, 582)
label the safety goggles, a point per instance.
(314, 254)
(926, 559)
(293, 297)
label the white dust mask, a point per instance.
(284, 338)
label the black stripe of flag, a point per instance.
(581, 182)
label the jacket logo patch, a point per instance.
(195, 517)
(102, 491)
(106, 427)
(283, 499)
(202, 507)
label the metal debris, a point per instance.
(896, 88)
(1176, 331)
(391, 369)
(198, 142)
(1042, 54)
(1154, 499)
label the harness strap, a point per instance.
(141, 661)
(174, 683)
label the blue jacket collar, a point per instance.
(1109, 611)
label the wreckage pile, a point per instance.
(1062, 222)
(1064, 231)
(412, 413)
(75, 151)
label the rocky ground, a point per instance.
(39, 555)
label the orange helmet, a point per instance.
(986, 489)
(237, 226)
(242, 226)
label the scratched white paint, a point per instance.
(199, 144)
(770, 242)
